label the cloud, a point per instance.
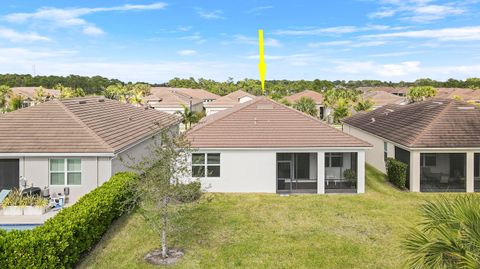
(348, 43)
(71, 17)
(337, 30)
(14, 36)
(329, 43)
(258, 10)
(211, 15)
(374, 69)
(242, 39)
(420, 11)
(469, 33)
(186, 52)
(395, 54)
(195, 37)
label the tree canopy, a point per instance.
(306, 105)
(420, 93)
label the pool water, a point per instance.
(21, 227)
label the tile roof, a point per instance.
(263, 123)
(435, 123)
(230, 99)
(316, 96)
(79, 125)
(29, 92)
(381, 98)
(194, 93)
(170, 99)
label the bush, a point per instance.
(189, 192)
(61, 240)
(397, 172)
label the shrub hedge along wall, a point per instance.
(397, 172)
(61, 240)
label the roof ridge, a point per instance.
(232, 110)
(79, 121)
(430, 124)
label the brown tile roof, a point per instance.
(170, 99)
(194, 93)
(435, 123)
(263, 123)
(79, 125)
(230, 99)
(316, 96)
(381, 98)
(29, 92)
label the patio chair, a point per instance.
(3, 195)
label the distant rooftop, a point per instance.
(316, 96)
(230, 99)
(381, 98)
(435, 123)
(29, 92)
(194, 93)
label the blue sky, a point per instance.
(154, 41)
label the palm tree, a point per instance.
(341, 110)
(448, 236)
(364, 105)
(306, 105)
(5, 93)
(188, 116)
(39, 95)
(16, 102)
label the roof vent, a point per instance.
(466, 107)
(389, 110)
(437, 103)
(82, 102)
(101, 100)
(373, 120)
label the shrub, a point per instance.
(397, 172)
(60, 241)
(189, 192)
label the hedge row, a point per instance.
(397, 172)
(60, 241)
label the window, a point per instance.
(427, 159)
(333, 159)
(206, 164)
(65, 171)
(385, 151)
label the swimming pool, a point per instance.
(21, 227)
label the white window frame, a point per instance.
(330, 155)
(385, 151)
(205, 164)
(65, 172)
(423, 159)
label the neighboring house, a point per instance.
(77, 143)
(28, 94)
(463, 94)
(172, 103)
(228, 101)
(399, 91)
(382, 98)
(263, 146)
(316, 96)
(439, 139)
(201, 94)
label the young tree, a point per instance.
(306, 105)
(363, 105)
(39, 95)
(420, 93)
(162, 191)
(188, 117)
(16, 102)
(448, 236)
(68, 92)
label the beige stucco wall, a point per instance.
(373, 156)
(95, 171)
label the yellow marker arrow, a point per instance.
(262, 67)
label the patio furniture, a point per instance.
(427, 173)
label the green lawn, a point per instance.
(272, 231)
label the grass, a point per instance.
(272, 231)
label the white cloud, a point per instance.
(337, 30)
(329, 43)
(383, 70)
(71, 17)
(14, 36)
(242, 39)
(258, 10)
(211, 15)
(347, 43)
(469, 33)
(195, 37)
(186, 52)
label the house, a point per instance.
(382, 98)
(439, 140)
(264, 146)
(201, 94)
(172, 102)
(228, 101)
(28, 94)
(76, 143)
(315, 96)
(399, 91)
